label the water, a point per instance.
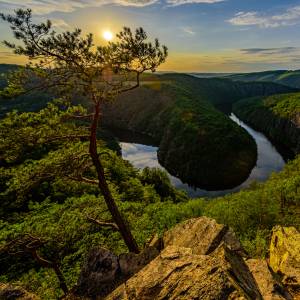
(268, 161)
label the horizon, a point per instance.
(198, 72)
(203, 36)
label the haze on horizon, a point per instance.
(202, 35)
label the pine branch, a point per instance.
(103, 223)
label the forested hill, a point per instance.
(4, 70)
(289, 78)
(7, 67)
(28, 102)
(179, 112)
(220, 91)
(278, 116)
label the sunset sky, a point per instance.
(202, 35)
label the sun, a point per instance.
(107, 35)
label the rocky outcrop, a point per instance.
(11, 292)
(285, 257)
(215, 250)
(197, 259)
(178, 273)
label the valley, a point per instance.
(268, 161)
(183, 115)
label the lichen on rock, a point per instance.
(285, 257)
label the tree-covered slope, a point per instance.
(289, 78)
(27, 102)
(197, 142)
(278, 116)
(222, 90)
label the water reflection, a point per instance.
(269, 160)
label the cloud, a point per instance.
(48, 6)
(140, 156)
(59, 23)
(188, 30)
(182, 2)
(269, 51)
(290, 17)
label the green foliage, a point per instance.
(161, 183)
(285, 106)
(43, 194)
(257, 244)
(43, 282)
(26, 134)
(253, 212)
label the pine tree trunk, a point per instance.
(103, 186)
(61, 279)
(52, 265)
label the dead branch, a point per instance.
(103, 223)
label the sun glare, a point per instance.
(107, 35)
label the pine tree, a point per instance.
(69, 65)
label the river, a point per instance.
(268, 161)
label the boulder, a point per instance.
(178, 273)
(203, 235)
(269, 286)
(11, 292)
(99, 274)
(239, 272)
(285, 257)
(103, 271)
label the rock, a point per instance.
(270, 288)
(232, 242)
(103, 271)
(285, 257)
(99, 273)
(178, 273)
(203, 235)
(131, 263)
(156, 242)
(10, 292)
(238, 271)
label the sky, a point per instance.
(202, 35)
